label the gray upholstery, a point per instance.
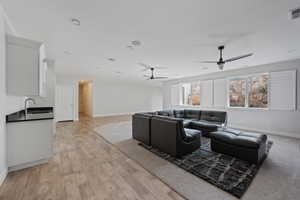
(190, 134)
(213, 116)
(141, 127)
(192, 114)
(241, 138)
(168, 113)
(244, 145)
(205, 121)
(168, 135)
(205, 126)
(179, 113)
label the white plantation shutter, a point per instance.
(283, 90)
(206, 93)
(175, 94)
(220, 96)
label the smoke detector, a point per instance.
(294, 13)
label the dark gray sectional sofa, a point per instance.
(203, 120)
(176, 132)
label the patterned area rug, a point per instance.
(225, 172)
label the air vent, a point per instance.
(295, 13)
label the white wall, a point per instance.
(3, 166)
(124, 98)
(117, 97)
(268, 121)
(8, 103)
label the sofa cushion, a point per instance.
(192, 114)
(213, 116)
(191, 134)
(179, 113)
(204, 125)
(239, 138)
(165, 113)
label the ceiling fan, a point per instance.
(221, 61)
(152, 77)
(148, 67)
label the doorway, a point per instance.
(85, 104)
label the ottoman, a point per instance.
(247, 146)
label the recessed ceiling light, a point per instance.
(75, 21)
(136, 43)
(111, 59)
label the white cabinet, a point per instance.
(26, 67)
(29, 143)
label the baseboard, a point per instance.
(112, 114)
(284, 134)
(3, 176)
(29, 164)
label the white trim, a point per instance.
(284, 134)
(3, 176)
(29, 164)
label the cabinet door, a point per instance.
(29, 142)
(22, 70)
(42, 72)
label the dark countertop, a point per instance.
(36, 113)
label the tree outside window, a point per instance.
(237, 92)
(258, 91)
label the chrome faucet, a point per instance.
(26, 100)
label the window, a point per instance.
(258, 91)
(237, 92)
(251, 91)
(191, 93)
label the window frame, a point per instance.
(182, 95)
(246, 78)
(228, 92)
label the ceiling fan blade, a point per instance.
(160, 77)
(238, 57)
(146, 76)
(160, 68)
(207, 61)
(144, 70)
(147, 67)
(142, 64)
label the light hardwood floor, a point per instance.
(85, 167)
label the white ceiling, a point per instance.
(174, 34)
